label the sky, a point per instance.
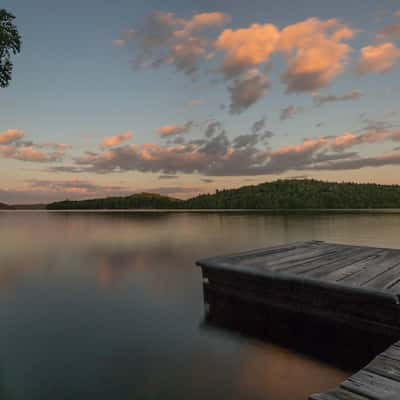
(181, 98)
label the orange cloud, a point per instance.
(116, 140)
(315, 50)
(247, 47)
(10, 136)
(29, 154)
(378, 58)
(309, 145)
(200, 22)
(315, 53)
(171, 130)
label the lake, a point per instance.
(109, 305)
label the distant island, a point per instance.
(6, 207)
(281, 194)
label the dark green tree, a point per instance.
(10, 43)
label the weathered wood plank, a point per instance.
(272, 259)
(266, 251)
(386, 367)
(338, 394)
(372, 386)
(385, 261)
(358, 255)
(286, 261)
(387, 277)
(354, 268)
(318, 261)
(334, 260)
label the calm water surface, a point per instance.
(109, 306)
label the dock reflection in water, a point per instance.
(301, 338)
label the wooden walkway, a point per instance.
(379, 380)
(358, 286)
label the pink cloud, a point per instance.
(315, 53)
(116, 140)
(309, 145)
(171, 130)
(246, 47)
(10, 136)
(315, 50)
(30, 154)
(379, 58)
(200, 22)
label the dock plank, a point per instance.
(334, 260)
(384, 279)
(356, 257)
(291, 260)
(386, 260)
(338, 394)
(355, 268)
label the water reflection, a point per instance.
(339, 345)
(107, 305)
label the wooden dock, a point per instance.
(350, 285)
(379, 380)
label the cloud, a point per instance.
(212, 128)
(247, 90)
(258, 125)
(116, 140)
(172, 130)
(358, 163)
(290, 112)
(13, 147)
(348, 140)
(202, 21)
(390, 32)
(10, 136)
(246, 47)
(249, 154)
(379, 58)
(320, 100)
(170, 40)
(315, 53)
(242, 156)
(251, 139)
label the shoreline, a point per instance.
(233, 211)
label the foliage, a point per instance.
(142, 201)
(281, 194)
(302, 194)
(10, 43)
(6, 207)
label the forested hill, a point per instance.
(298, 194)
(5, 207)
(281, 194)
(140, 200)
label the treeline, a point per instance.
(6, 207)
(141, 201)
(300, 194)
(281, 194)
